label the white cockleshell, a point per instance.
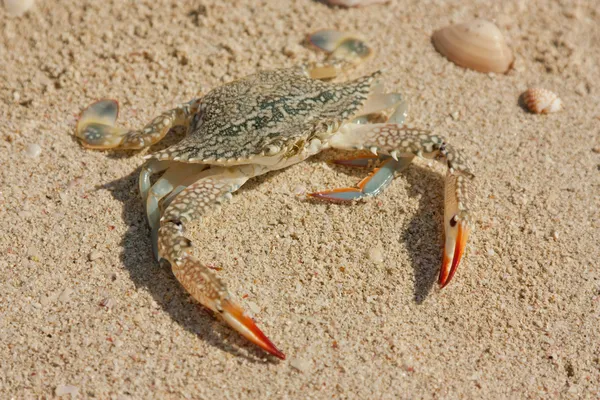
(477, 45)
(542, 101)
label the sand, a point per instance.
(86, 311)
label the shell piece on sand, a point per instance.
(542, 101)
(16, 8)
(477, 45)
(354, 3)
(33, 150)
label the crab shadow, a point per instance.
(158, 279)
(423, 236)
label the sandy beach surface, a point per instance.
(86, 312)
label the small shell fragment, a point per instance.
(65, 295)
(107, 302)
(33, 150)
(62, 390)
(300, 364)
(477, 45)
(354, 3)
(376, 255)
(94, 255)
(299, 190)
(542, 101)
(253, 307)
(16, 8)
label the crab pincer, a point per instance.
(235, 317)
(457, 225)
(96, 125)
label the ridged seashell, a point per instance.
(542, 101)
(477, 45)
(16, 8)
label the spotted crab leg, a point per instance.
(402, 142)
(193, 202)
(176, 178)
(96, 127)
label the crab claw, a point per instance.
(456, 242)
(96, 126)
(456, 225)
(235, 317)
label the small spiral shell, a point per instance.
(542, 101)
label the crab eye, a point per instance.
(442, 151)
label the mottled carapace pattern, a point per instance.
(273, 109)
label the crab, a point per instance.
(268, 121)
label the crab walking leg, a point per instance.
(150, 167)
(397, 141)
(178, 174)
(383, 107)
(371, 186)
(344, 52)
(96, 128)
(176, 178)
(193, 202)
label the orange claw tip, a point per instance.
(450, 265)
(444, 271)
(343, 195)
(235, 317)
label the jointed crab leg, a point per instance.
(401, 142)
(383, 107)
(372, 185)
(176, 178)
(193, 202)
(150, 168)
(96, 128)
